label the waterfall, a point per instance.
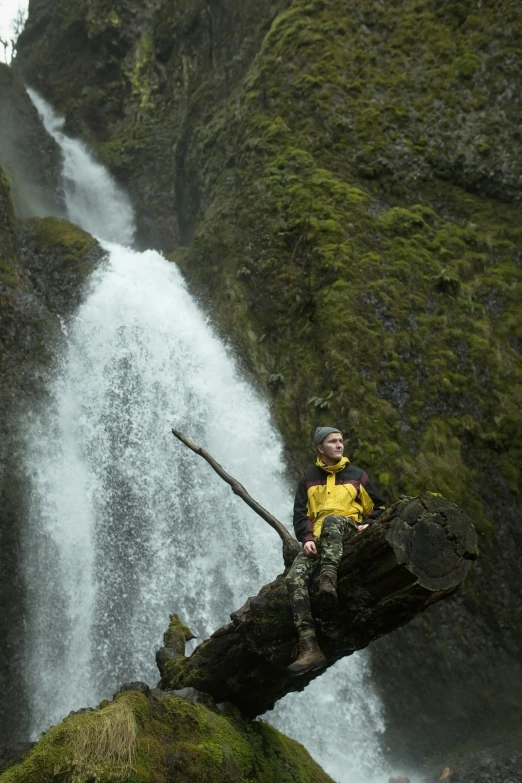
(93, 199)
(127, 525)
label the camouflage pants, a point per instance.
(329, 553)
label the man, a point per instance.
(332, 499)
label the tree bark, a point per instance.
(418, 552)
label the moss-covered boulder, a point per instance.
(58, 257)
(149, 737)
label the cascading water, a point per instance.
(93, 200)
(126, 524)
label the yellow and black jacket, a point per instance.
(342, 489)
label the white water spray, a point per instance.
(126, 524)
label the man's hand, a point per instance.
(361, 527)
(310, 549)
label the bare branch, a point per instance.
(290, 545)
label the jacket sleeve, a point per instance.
(374, 508)
(303, 527)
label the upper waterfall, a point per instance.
(93, 199)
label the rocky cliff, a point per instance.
(342, 181)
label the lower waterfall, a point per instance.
(127, 525)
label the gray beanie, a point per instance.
(322, 432)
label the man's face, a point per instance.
(332, 448)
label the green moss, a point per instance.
(10, 274)
(280, 759)
(177, 635)
(62, 235)
(141, 741)
(403, 221)
(99, 744)
(12, 283)
(102, 16)
(61, 255)
(141, 73)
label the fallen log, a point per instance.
(418, 552)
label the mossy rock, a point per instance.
(158, 738)
(61, 234)
(59, 258)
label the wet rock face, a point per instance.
(29, 157)
(12, 752)
(505, 770)
(58, 258)
(501, 765)
(345, 179)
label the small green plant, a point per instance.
(321, 402)
(446, 284)
(243, 273)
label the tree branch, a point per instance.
(290, 545)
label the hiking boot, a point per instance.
(327, 594)
(309, 656)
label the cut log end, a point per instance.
(435, 540)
